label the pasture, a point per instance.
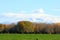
(29, 36)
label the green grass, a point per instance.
(29, 36)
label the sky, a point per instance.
(32, 10)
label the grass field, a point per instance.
(29, 36)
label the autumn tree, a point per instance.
(1, 28)
(11, 28)
(25, 26)
(39, 27)
(50, 28)
(57, 28)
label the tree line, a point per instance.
(27, 27)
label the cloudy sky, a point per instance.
(31, 10)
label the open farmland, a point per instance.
(29, 36)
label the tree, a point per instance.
(39, 27)
(57, 28)
(25, 26)
(1, 27)
(11, 28)
(50, 28)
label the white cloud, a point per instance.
(36, 16)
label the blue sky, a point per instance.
(51, 7)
